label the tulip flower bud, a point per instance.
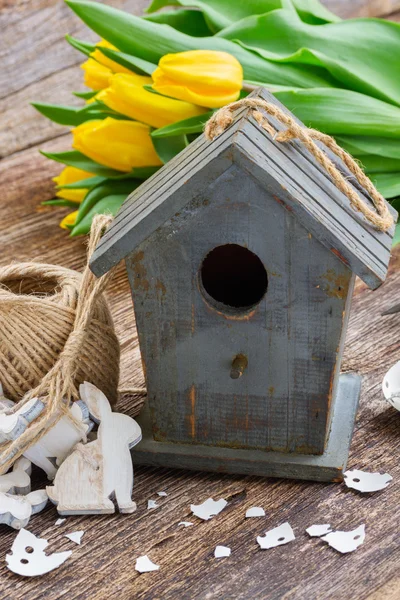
(118, 144)
(71, 175)
(99, 68)
(203, 77)
(127, 96)
(69, 221)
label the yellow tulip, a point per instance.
(71, 175)
(98, 69)
(96, 75)
(203, 77)
(69, 221)
(127, 96)
(121, 145)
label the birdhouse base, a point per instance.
(328, 466)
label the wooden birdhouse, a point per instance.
(242, 254)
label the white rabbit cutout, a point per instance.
(100, 471)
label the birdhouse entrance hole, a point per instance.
(233, 277)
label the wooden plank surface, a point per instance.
(38, 64)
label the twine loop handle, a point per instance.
(380, 218)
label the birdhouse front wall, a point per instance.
(234, 274)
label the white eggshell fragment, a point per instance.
(145, 565)
(222, 551)
(346, 541)
(162, 494)
(318, 530)
(75, 536)
(185, 523)
(276, 537)
(151, 504)
(60, 521)
(209, 508)
(255, 511)
(363, 481)
(28, 557)
(391, 386)
(391, 381)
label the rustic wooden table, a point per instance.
(36, 63)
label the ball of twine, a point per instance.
(56, 331)
(37, 313)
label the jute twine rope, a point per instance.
(379, 218)
(51, 343)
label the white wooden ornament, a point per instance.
(18, 480)
(31, 564)
(52, 449)
(16, 511)
(95, 473)
(14, 424)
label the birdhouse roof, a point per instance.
(288, 171)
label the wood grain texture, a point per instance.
(102, 568)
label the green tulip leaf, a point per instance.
(86, 95)
(337, 112)
(219, 14)
(361, 145)
(184, 127)
(191, 22)
(133, 63)
(388, 184)
(150, 41)
(83, 47)
(73, 158)
(396, 237)
(73, 116)
(168, 147)
(107, 188)
(89, 183)
(379, 164)
(60, 202)
(108, 205)
(340, 48)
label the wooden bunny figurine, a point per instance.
(100, 471)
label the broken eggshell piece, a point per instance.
(255, 511)
(362, 481)
(318, 530)
(209, 508)
(144, 564)
(346, 541)
(276, 537)
(28, 557)
(391, 386)
(222, 551)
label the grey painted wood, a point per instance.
(329, 466)
(308, 191)
(291, 339)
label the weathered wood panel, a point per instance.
(291, 338)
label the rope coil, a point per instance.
(379, 218)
